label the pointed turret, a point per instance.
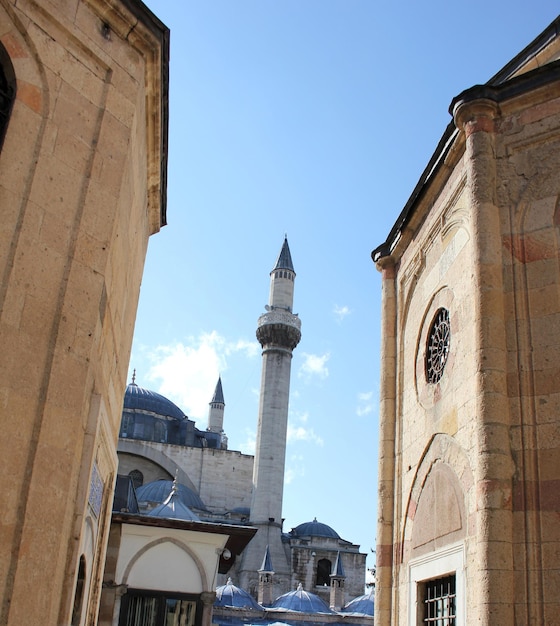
(284, 261)
(338, 578)
(216, 410)
(266, 581)
(282, 280)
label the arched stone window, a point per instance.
(7, 91)
(160, 431)
(79, 592)
(137, 478)
(324, 568)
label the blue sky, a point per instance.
(315, 119)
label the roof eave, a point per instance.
(494, 91)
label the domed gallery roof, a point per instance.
(301, 601)
(314, 529)
(362, 604)
(174, 508)
(139, 399)
(159, 490)
(230, 595)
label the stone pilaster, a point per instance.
(387, 419)
(494, 469)
(207, 598)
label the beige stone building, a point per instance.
(469, 473)
(83, 111)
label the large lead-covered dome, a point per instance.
(314, 529)
(139, 399)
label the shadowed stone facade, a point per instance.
(82, 186)
(469, 443)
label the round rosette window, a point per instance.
(437, 348)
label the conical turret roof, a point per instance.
(284, 261)
(218, 396)
(267, 562)
(338, 570)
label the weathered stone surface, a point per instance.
(71, 182)
(482, 241)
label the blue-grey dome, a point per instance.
(230, 595)
(159, 490)
(173, 508)
(314, 529)
(139, 399)
(362, 604)
(301, 601)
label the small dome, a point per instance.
(301, 601)
(159, 490)
(362, 604)
(173, 508)
(314, 529)
(139, 399)
(230, 595)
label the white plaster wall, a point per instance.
(168, 559)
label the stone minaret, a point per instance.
(216, 411)
(216, 414)
(278, 332)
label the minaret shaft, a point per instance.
(278, 332)
(270, 452)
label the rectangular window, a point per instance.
(157, 609)
(439, 601)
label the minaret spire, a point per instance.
(278, 332)
(216, 411)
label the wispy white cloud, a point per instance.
(248, 446)
(314, 365)
(340, 312)
(295, 468)
(187, 372)
(299, 431)
(365, 404)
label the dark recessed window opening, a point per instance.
(324, 568)
(440, 602)
(7, 91)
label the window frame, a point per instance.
(437, 564)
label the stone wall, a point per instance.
(222, 478)
(468, 475)
(81, 189)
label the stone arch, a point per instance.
(161, 541)
(140, 449)
(443, 479)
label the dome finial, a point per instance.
(175, 487)
(133, 376)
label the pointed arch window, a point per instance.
(7, 91)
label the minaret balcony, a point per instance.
(279, 327)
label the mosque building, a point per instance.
(171, 470)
